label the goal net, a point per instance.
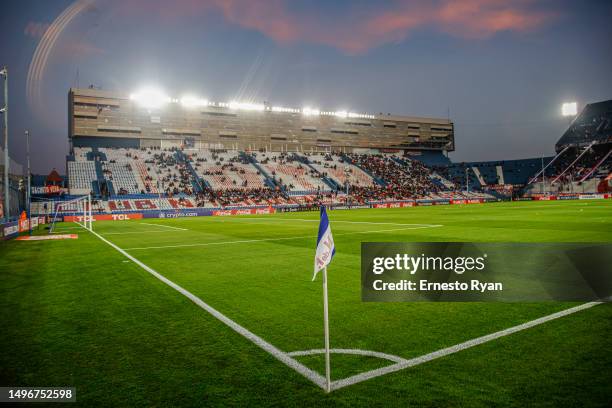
(77, 210)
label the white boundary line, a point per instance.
(272, 239)
(456, 348)
(165, 226)
(317, 378)
(312, 375)
(137, 232)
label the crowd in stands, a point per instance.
(335, 167)
(222, 167)
(402, 181)
(240, 196)
(581, 169)
(225, 178)
(298, 175)
(173, 177)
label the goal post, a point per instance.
(79, 209)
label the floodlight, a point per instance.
(189, 101)
(341, 114)
(569, 109)
(284, 109)
(150, 98)
(246, 106)
(310, 111)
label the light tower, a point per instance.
(4, 110)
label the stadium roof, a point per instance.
(264, 106)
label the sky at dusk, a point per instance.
(500, 69)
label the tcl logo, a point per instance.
(120, 217)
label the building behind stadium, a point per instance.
(104, 119)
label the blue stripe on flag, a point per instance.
(323, 226)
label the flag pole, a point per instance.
(326, 320)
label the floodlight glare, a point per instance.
(150, 98)
(569, 109)
(341, 114)
(310, 111)
(189, 101)
(246, 106)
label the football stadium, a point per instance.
(169, 260)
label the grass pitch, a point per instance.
(79, 313)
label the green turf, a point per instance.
(79, 313)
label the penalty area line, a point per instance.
(165, 226)
(138, 232)
(283, 357)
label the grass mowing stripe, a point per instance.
(334, 221)
(278, 354)
(274, 239)
(317, 378)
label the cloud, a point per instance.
(359, 29)
(483, 18)
(35, 29)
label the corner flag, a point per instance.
(325, 244)
(324, 255)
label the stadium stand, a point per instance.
(429, 158)
(410, 179)
(81, 176)
(123, 178)
(583, 160)
(292, 173)
(223, 170)
(170, 179)
(339, 170)
(593, 124)
(81, 153)
(325, 161)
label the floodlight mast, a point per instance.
(4, 110)
(29, 186)
(543, 176)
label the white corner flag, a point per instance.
(325, 245)
(324, 255)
